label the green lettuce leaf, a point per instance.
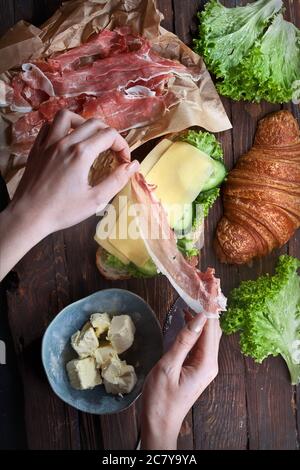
(133, 270)
(265, 74)
(207, 200)
(252, 50)
(267, 314)
(187, 248)
(205, 142)
(227, 34)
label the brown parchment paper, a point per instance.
(72, 25)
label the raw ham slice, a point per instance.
(19, 103)
(109, 74)
(157, 84)
(34, 97)
(116, 109)
(25, 97)
(201, 291)
(26, 129)
(105, 44)
(124, 112)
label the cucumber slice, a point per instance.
(217, 177)
(148, 269)
(184, 224)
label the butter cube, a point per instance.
(104, 354)
(121, 333)
(101, 322)
(83, 373)
(85, 342)
(118, 377)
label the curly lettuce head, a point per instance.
(267, 314)
(227, 34)
(252, 50)
(271, 70)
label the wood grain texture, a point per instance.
(7, 15)
(50, 423)
(247, 406)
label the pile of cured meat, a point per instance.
(115, 76)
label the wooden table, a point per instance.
(247, 407)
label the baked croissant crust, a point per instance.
(262, 193)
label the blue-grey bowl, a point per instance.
(143, 355)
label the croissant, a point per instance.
(262, 193)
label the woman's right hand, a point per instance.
(177, 381)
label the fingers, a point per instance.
(42, 134)
(100, 141)
(211, 337)
(206, 349)
(185, 341)
(84, 131)
(34, 154)
(62, 123)
(187, 315)
(113, 184)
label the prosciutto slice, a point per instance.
(200, 291)
(26, 129)
(124, 112)
(115, 76)
(118, 110)
(105, 44)
(109, 74)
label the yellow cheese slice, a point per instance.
(180, 176)
(109, 238)
(105, 243)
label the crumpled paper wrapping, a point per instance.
(73, 24)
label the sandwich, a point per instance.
(187, 171)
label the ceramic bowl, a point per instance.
(143, 355)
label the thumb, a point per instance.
(113, 184)
(185, 341)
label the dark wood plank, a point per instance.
(186, 22)
(35, 11)
(41, 292)
(12, 423)
(223, 405)
(199, 420)
(7, 15)
(166, 7)
(59, 430)
(293, 14)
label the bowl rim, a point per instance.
(68, 402)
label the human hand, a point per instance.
(54, 191)
(177, 381)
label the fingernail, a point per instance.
(197, 323)
(133, 166)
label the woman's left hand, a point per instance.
(54, 189)
(54, 192)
